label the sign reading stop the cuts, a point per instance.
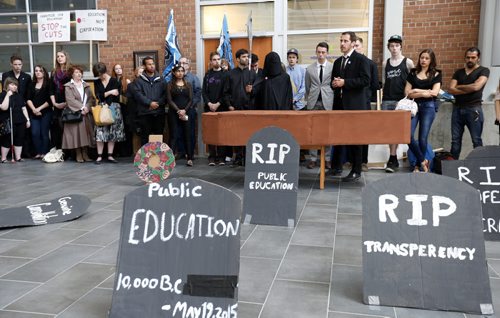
(53, 27)
(423, 245)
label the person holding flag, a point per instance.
(172, 52)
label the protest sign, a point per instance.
(179, 251)
(423, 245)
(481, 170)
(53, 26)
(91, 25)
(61, 209)
(271, 178)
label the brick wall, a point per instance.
(449, 27)
(142, 25)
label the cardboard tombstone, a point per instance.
(179, 251)
(61, 209)
(481, 169)
(423, 245)
(271, 178)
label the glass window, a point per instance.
(43, 54)
(13, 29)
(7, 51)
(60, 5)
(237, 17)
(306, 44)
(327, 14)
(12, 6)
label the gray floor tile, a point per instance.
(492, 249)
(319, 213)
(32, 232)
(13, 314)
(6, 245)
(90, 221)
(95, 304)
(314, 234)
(101, 236)
(293, 299)
(11, 290)
(333, 314)
(307, 263)
(349, 224)
(346, 294)
(63, 290)
(266, 243)
(109, 283)
(8, 264)
(494, 268)
(246, 230)
(348, 250)
(255, 279)
(48, 266)
(46, 243)
(320, 197)
(248, 310)
(106, 255)
(419, 313)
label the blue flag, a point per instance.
(172, 52)
(224, 48)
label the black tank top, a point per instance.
(395, 80)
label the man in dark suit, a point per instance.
(350, 79)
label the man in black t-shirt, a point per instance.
(467, 86)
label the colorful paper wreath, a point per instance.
(162, 170)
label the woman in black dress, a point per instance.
(179, 100)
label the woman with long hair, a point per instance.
(423, 84)
(124, 148)
(12, 103)
(59, 77)
(179, 100)
(40, 109)
(79, 98)
(107, 90)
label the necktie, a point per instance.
(321, 73)
(344, 60)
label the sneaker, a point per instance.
(211, 163)
(222, 163)
(364, 167)
(392, 166)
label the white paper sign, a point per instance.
(91, 25)
(53, 27)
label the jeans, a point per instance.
(424, 118)
(40, 126)
(473, 118)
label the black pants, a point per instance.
(150, 125)
(56, 129)
(174, 123)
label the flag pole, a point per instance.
(250, 40)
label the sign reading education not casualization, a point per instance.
(481, 170)
(179, 252)
(53, 27)
(91, 25)
(271, 178)
(423, 245)
(66, 208)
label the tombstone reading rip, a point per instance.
(179, 252)
(61, 209)
(481, 169)
(423, 245)
(271, 178)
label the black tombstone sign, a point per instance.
(66, 208)
(271, 178)
(481, 169)
(179, 251)
(423, 245)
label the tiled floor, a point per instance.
(66, 270)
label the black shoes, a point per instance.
(392, 165)
(351, 177)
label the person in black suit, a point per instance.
(350, 79)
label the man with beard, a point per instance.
(467, 86)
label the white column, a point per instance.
(393, 22)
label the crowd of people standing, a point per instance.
(145, 105)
